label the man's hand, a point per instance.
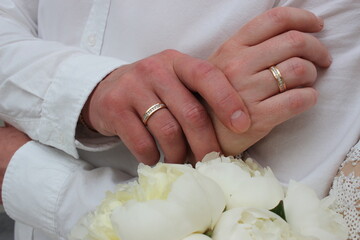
(11, 140)
(277, 37)
(119, 101)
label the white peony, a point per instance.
(245, 184)
(178, 202)
(197, 236)
(312, 217)
(252, 224)
(168, 202)
(97, 225)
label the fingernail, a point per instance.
(239, 121)
(321, 22)
(330, 59)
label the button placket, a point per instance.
(95, 27)
(91, 40)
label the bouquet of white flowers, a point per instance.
(222, 198)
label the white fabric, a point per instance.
(51, 79)
(310, 148)
(65, 189)
(49, 55)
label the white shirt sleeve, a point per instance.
(49, 190)
(42, 83)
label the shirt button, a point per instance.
(92, 40)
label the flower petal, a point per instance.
(251, 224)
(193, 204)
(312, 217)
(245, 184)
(197, 236)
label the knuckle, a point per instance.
(263, 129)
(196, 115)
(204, 69)
(233, 67)
(225, 98)
(110, 99)
(296, 39)
(278, 15)
(226, 49)
(142, 147)
(148, 65)
(170, 130)
(298, 102)
(262, 126)
(156, 65)
(298, 68)
(304, 71)
(170, 53)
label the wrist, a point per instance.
(10, 141)
(84, 118)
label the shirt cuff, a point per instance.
(73, 82)
(91, 141)
(50, 190)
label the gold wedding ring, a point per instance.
(151, 110)
(277, 75)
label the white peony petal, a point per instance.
(312, 217)
(245, 184)
(197, 236)
(211, 195)
(97, 224)
(192, 204)
(155, 219)
(252, 224)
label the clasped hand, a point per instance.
(242, 99)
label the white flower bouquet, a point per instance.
(222, 198)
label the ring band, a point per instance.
(277, 75)
(151, 110)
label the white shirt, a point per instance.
(53, 53)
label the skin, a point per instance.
(118, 102)
(277, 37)
(11, 140)
(282, 34)
(238, 68)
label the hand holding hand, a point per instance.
(118, 103)
(277, 37)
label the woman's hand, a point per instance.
(11, 140)
(277, 37)
(118, 103)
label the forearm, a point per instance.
(42, 184)
(10, 141)
(49, 78)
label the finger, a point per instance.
(198, 128)
(191, 115)
(274, 22)
(137, 138)
(167, 132)
(187, 110)
(288, 45)
(286, 105)
(296, 72)
(206, 79)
